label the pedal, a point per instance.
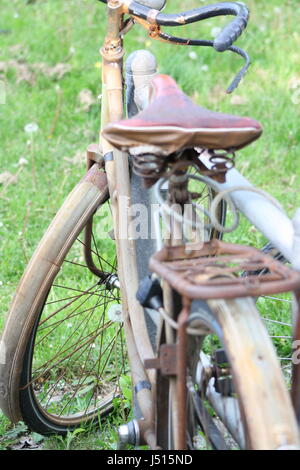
(149, 293)
(220, 357)
(213, 270)
(224, 386)
(222, 374)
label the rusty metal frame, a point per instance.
(117, 171)
(209, 271)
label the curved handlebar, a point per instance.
(232, 31)
(222, 42)
(226, 37)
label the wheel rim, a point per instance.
(77, 353)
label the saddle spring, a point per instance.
(152, 166)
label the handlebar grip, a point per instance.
(232, 31)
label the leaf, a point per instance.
(126, 386)
(87, 380)
(13, 433)
(86, 390)
(78, 431)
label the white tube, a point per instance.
(268, 219)
(296, 242)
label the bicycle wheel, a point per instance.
(276, 311)
(237, 397)
(65, 350)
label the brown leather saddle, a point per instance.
(173, 122)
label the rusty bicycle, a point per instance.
(132, 276)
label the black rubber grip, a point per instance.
(232, 31)
(223, 41)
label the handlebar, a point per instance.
(222, 42)
(232, 31)
(224, 39)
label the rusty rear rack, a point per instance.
(216, 270)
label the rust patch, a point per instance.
(166, 362)
(154, 31)
(97, 177)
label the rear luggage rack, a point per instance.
(216, 270)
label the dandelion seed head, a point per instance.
(31, 128)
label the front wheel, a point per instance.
(64, 343)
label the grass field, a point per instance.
(50, 65)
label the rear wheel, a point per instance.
(237, 397)
(276, 311)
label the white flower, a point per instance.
(69, 325)
(1, 224)
(22, 161)
(31, 128)
(193, 55)
(204, 68)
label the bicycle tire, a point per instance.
(265, 408)
(276, 311)
(20, 398)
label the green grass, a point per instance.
(71, 32)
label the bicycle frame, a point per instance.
(117, 170)
(268, 219)
(277, 228)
